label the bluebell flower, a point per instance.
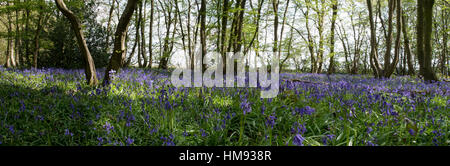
(327, 138)
(204, 134)
(305, 111)
(245, 106)
(11, 129)
(298, 140)
(108, 127)
(369, 130)
(100, 140)
(412, 132)
(370, 143)
(67, 132)
(270, 121)
(129, 141)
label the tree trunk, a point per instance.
(445, 17)
(163, 64)
(108, 26)
(331, 67)
(387, 55)
(310, 41)
(138, 35)
(18, 43)
(424, 38)
(258, 19)
(119, 41)
(281, 33)
(320, 14)
(37, 37)
(203, 32)
(240, 24)
(407, 49)
(275, 4)
(190, 52)
(27, 30)
(390, 69)
(90, 71)
(150, 36)
(224, 33)
(133, 51)
(10, 62)
(143, 48)
(373, 43)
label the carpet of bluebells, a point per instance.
(140, 107)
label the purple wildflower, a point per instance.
(245, 106)
(305, 111)
(108, 127)
(129, 141)
(298, 140)
(67, 132)
(270, 121)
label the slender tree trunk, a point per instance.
(407, 49)
(282, 30)
(37, 38)
(387, 55)
(133, 51)
(90, 71)
(310, 41)
(282, 62)
(119, 41)
(143, 48)
(321, 13)
(393, 66)
(27, 30)
(255, 35)
(18, 42)
(10, 62)
(240, 24)
(191, 56)
(108, 26)
(138, 35)
(275, 4)
(331, 67)
(373, 43)
(444, 16)
(166, 46)
(150, 36)
(203, 32)
(224, 33)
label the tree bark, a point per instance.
(258, 18)
(150, 36)
(10, 62)
(143, 48)
(425, 14)
(108, 26)
(37, 37)
(407, 50)
(163, 64)
(331, 67)
(373, 43)
(90, 71)
(320, 14)
(119, 41)
(18, 42)
(390, 69)
(282, 30)
(275, 4)
(26, 38)
(224, 33)
(203, 32)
